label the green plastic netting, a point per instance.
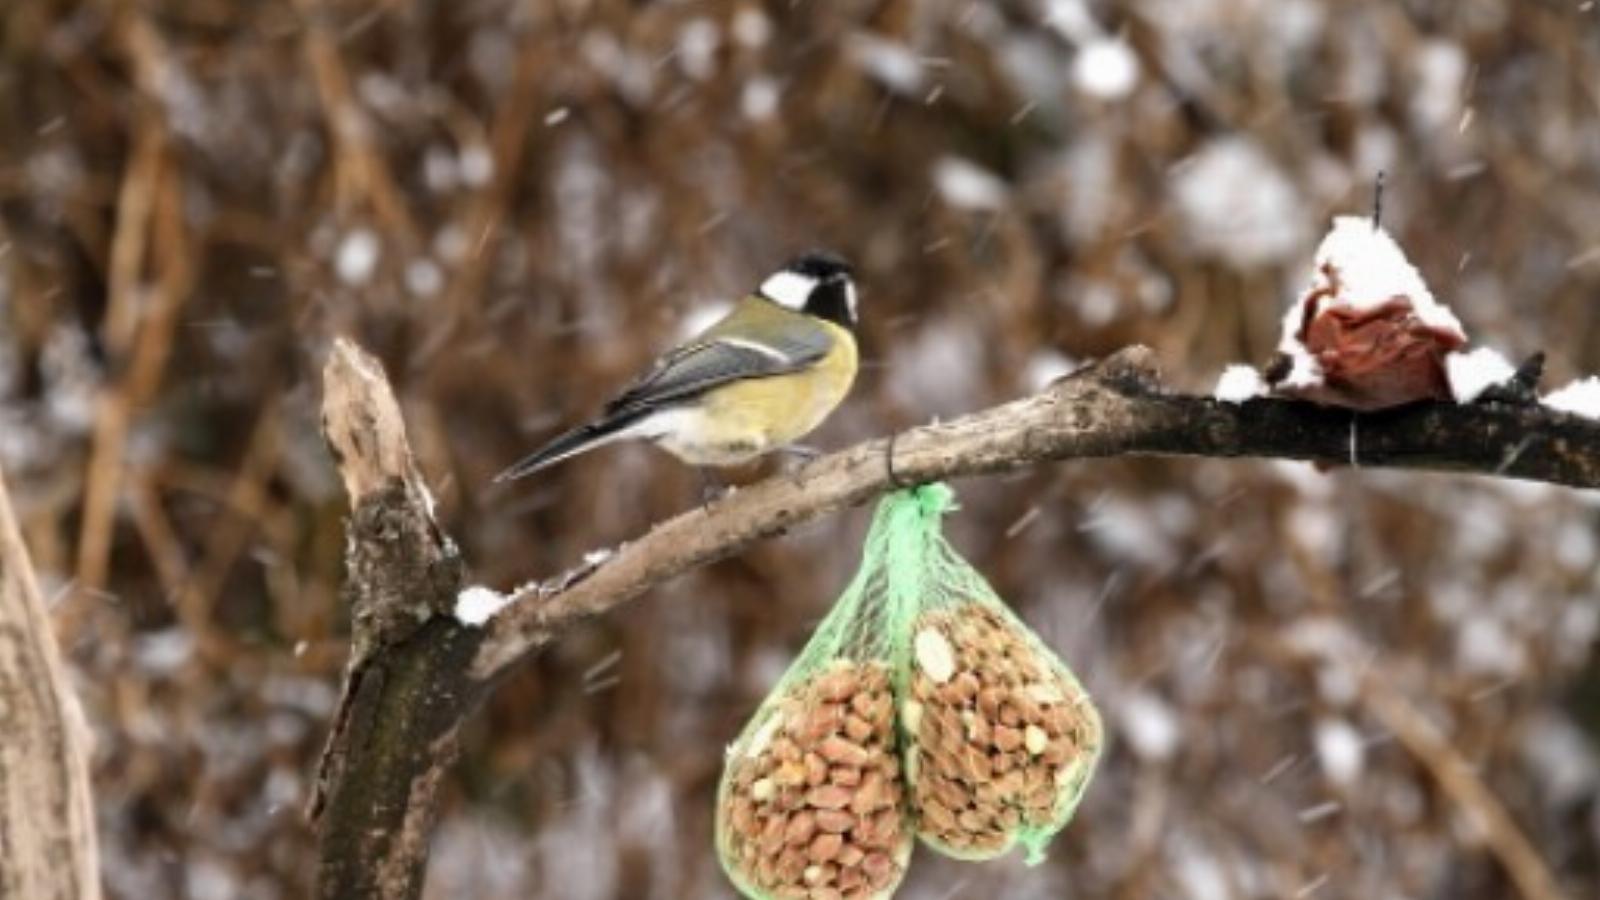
(996, 731)
(971, 733)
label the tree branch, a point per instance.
(1116, 408)
(406, 690)
(416, 672)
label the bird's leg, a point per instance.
(712, 488)
(802, 452)
(795, 457)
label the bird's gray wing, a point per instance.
(695, 368)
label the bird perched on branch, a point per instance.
(759, 379)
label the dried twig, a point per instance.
(161, 541)
(1424, 740)
(150, 231)
(362, 175)
(238, 518)
(134, 210)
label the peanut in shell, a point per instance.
(812, 806)
(999, 742)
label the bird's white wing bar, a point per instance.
(773, 353)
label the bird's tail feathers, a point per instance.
(571, 443)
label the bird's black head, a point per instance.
(817, 284)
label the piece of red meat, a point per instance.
(1374, 358)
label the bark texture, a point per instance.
(406, 689)
(47, 839)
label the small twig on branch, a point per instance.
(361, 174)
(1443, 761)
(137, 333)
(1456, 778)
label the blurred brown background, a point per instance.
(517, 204)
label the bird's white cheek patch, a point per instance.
(789, 289)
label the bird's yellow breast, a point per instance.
(747, 418)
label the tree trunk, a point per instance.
(47, 839)
(407, 688)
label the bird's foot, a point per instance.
(795, 457)
(712, 487)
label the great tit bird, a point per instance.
(760, 378)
